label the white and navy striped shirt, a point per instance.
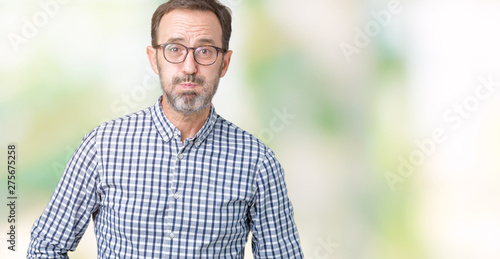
(151, 196)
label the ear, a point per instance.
(152, 52)
(225, 64)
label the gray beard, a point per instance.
(189, 102)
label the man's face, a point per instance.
(189, 87)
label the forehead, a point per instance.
(190, 27)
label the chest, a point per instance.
(152, 180)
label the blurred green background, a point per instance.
(390, 143)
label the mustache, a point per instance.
(199, 80)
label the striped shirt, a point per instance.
(152, 196)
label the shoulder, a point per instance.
(128, 124)
(241, 140)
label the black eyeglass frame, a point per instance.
(221, 50)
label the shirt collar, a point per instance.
(167, 130)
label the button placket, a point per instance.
(173, 195)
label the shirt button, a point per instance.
(198, 143)
(180, 156)
(176, 196)
(172, 235)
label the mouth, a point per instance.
(188, 86)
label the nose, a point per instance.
(189, 66)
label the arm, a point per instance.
(66, 217)
(274, 232)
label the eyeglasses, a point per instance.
(176, 53)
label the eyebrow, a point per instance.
(200, 41)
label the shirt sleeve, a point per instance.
(274, 233)
(67, 215)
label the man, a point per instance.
(175, 180)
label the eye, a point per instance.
(205, 51)
(174, 49)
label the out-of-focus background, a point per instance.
(384, 114)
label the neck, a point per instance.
(188, 125)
